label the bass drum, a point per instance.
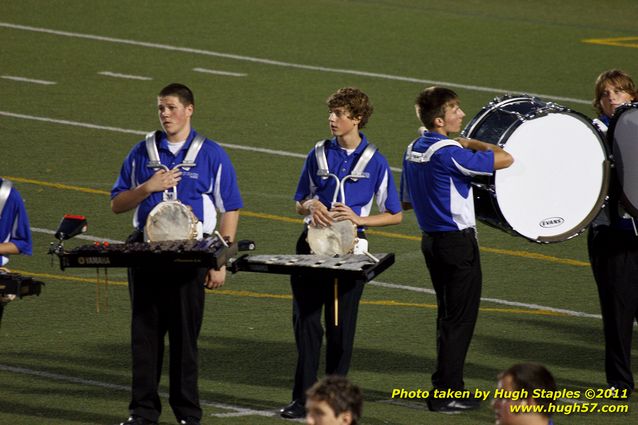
(623, 137)
(560, 176)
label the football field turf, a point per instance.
(78, 81)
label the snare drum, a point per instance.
(560, 176)
(623, 137)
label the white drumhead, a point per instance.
(336, 239)
(169, 221)
(557, 178)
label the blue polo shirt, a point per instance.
(440, 190)
(14, 225)
(360, 194)
(208, 187)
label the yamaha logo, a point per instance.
(92, 261)
(551, 222)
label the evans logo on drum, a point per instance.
(551, 222)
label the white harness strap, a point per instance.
(193, 150)
(189, 159)
(151, 150)
(5, 190)
(421, 157)
(322, 162)
(366, 156)
(357, 172)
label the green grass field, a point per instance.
(275, 63)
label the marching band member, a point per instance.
(349, 111)
(613, 248)
(436, 182)
(15, 233)
(166, 299)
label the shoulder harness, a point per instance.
(5, 191)
(357, 171)
(189, 159)
(421, 157)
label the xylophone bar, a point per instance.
(208, 252)
(347, 266)
(18, 285)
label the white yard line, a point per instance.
(566, 312)
(236, 410)
(143, 133)
(125, 76)
(27, 80)
(225, 73)
(282, 63)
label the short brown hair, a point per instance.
(340, 394)
(532, 376)
(616, 78)
(354, 101)
(183, 93)
(432, 103)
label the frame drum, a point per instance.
(560, 176)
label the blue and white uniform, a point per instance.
(170, 299)
(439, 189)
(208, 186)
(378, 183)
(312, 295)
(14, 225)
(436, 181)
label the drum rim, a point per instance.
(494, 104)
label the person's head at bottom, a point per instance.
(334, 400)
(523, 395)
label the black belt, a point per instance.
(467, 230)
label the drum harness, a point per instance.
(357, 172)
(189, 159)
(422, 157)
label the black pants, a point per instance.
(309, 297)
(614, 259)
(455, 269)
(166, 300)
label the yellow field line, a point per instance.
(522, 254)
(253, 294)
(614, 41)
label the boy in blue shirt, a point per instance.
(436, 182)
(349, 110)
(166, 299)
